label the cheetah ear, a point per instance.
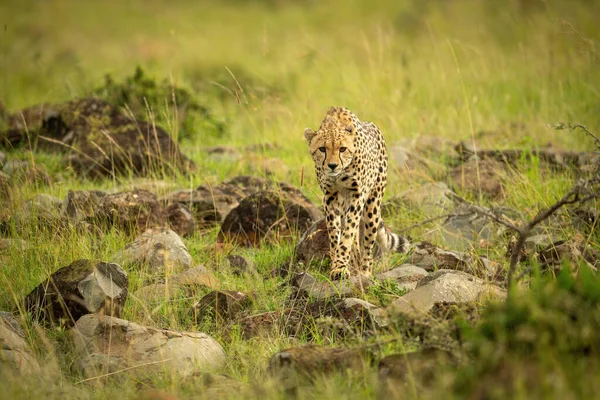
(349, 128)
(309, 134)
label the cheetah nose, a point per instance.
(332, 166)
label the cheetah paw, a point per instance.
(339, 273)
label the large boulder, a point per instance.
(99, 139)
(81, 288)
(15, 353)
(105, 345)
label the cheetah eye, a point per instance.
(343, 149)
(322, 149)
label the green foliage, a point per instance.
(385, 291)
(553, 329)
(173, 107)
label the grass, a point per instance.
(492, 73)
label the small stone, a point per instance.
(180, 219)
(131, 212)
(239, 265)
(480, 177)
(157, 251)
(81, 288)
(223, 304)
(82, 206)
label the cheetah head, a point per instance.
(332, 146)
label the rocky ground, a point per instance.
(337, 327)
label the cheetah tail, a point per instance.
(390, 241)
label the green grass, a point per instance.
(461, 70)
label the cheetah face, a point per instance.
(332, 152)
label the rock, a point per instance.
(180, 219)
(239, 265)
(444, 286)
(102, 141)
(104, 345)
(308, 286)
(131, 212)
(313, 246)
(266, 215)
(81, 288)
(197, 276)
(82, 206)
(157, 251)
(430, 258)
(15, 353)
(210, 204)
(292, 367)
(480, 177)
(407, 276)
(222, 304)
(432, 199)
(397, 372)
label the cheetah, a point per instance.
(351, 163)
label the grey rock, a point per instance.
(444, 286)
(308, 286)
(157, 251)
(82, 206)
(240, 265)
(106, 344)
(406, 275)
(83, 287)
(221, 304)
(15, 353)
(430, 258)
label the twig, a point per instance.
(583, 191)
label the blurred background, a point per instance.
(264, 70)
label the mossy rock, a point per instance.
(145, 97)
(102, 141)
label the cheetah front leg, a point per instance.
(341, 255)
(333, 221)
(371, 220)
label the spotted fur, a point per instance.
(351, 163)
